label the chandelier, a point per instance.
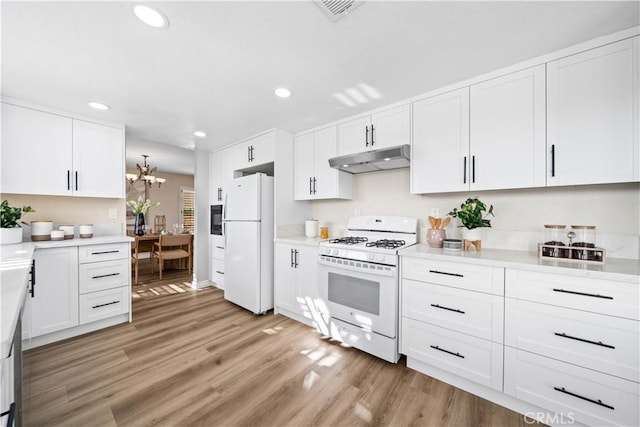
(145, 174)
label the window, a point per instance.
(187, 209)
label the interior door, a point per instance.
(243, 199)
(242, 264)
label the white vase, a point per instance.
(10, 236)
(473, 234)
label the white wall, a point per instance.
(201, 235)
(520, 214)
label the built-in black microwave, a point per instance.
(216, 220)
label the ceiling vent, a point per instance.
(336, 9)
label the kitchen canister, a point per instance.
(41, 230)
(69, 231)
(86, 231)
(57, 235)
(311, 228)
(324, 232)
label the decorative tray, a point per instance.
(572, 253)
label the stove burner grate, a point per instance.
(349, 240)
(386, 244)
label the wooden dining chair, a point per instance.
(138, 249)
(171, 247)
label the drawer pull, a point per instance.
(447, 308)
(104, 305)
(104, 252)
(447, 351)
(219, 272)
(219, 247)
(105, 275)
(581, 293)
(445, 273)
(600, 343)
(597, 402)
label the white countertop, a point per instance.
(299, 240)
(15, 264)
(613, 269)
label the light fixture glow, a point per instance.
(98, 105)
(386, 159)
(150, 16)
(199, 134)
(345, 166)
(282, 92)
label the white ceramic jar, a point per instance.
(86, 230)
(41, 230)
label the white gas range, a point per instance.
(358, 281)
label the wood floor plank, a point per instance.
(193, 359)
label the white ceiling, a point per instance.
(216, 66)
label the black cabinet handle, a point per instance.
(465, 170)
(596, 402)
(295, 251)
(105, 275)
(445, 273)
(310, 185)
(584, 294)
(104, 252)
(372, 141)
(314, 185)
(473, 169)
(219, 247)
(76, 180)
(251, 154)
(447, 351)
(219, 272)
(68, 180)
(447, 308)
(366, 136)
(32, 291)
(600, 343)
(553, 160)
(106, 304)
(291, 257)
(248, 153)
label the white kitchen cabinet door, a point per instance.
(303, 166)
(221, 172)
(36, 152)
(390, 128)
(307, 282)
(285, 291)
(507, 131)
(440, 147)
(54, 305)
(98, 160)
(593, 116)
(296, 282)
(255, 151)
(354, 136)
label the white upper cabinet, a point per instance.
(385, 128)
(507, 131)
(98, 160)
(592, 116)
(221, 171)
(313, 177)
(255, 151)
(36, 152)
(49, 154)
(440, 147)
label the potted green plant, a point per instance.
(10, 230)
(473, 217)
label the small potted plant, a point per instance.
(472, 216)
(10, 230)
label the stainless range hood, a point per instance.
(376, 160)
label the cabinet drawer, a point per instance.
(457, 274)
(621, 299)
(218, 252)
(217, 272)
(104, 304)
(98, 276)
(603, 343)
(95, 253)
(587, 396)
(469, 357)
(472, 313)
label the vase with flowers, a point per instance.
(140, 208)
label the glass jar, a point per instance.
(324, 232)
(554, 235)
(584, 237)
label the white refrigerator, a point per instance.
(248, 231)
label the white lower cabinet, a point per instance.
(573, 392)
(296, 280)
(217, 251)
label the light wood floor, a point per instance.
(191, 358)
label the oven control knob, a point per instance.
(380, 258)
(369, 257)
(335, 251)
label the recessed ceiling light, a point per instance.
(199, 134)
(282, 92)
(150, 16)
(98, 105)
